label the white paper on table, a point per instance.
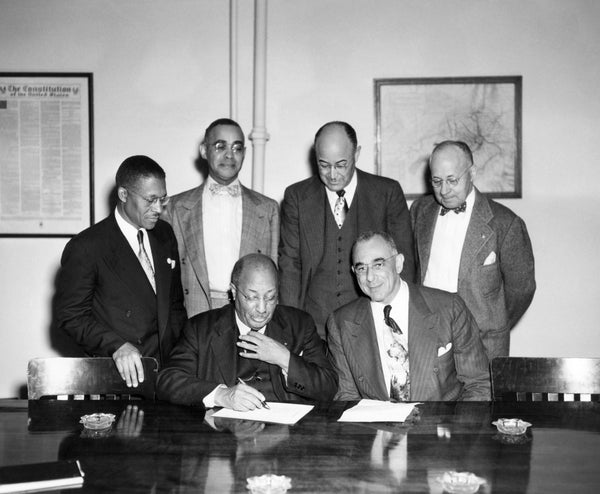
(378, 411)
(279, 413)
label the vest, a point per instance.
(332, 285)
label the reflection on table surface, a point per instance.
(157, 447)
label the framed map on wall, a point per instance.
(413, 115)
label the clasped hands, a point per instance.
(256, 346)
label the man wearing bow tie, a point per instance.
(404, 342)
(468, 244)
(220, 221)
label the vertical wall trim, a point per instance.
(233, 58)
(259, 135)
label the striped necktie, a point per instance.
(145, 260)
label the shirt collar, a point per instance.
(243, 329)
(350, 190)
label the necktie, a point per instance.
(460, 209)
(145, 260)
(340, 209)
(218, 189)
(398, 360)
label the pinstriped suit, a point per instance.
(260, 233)
(435, 318)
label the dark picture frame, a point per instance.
(46, 154)
(414, 114)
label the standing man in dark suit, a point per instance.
(220, 221)
(240, 355)
(473, 246)
(119, 287)
(408, 342)
(320, 218)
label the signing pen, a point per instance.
(263, 403)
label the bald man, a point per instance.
(321, 217)
(468, 244)
(249, 353)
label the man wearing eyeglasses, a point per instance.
(245, 355)
(403, 342)
(322, 215)
(118, 290)
(470, 245)
(220, 221)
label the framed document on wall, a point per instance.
(413, 115)
(46, 154)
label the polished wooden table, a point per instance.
(157, 447)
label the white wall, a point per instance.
(161, 75)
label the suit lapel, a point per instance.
(424, 228)
(162, 279)
(190, 213)
(363, 349)
(422, 342)
(312, 220)
(252, 220)
(126, 266)
(223, 345)
(478, 234)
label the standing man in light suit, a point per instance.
(220, 221)
(404, 342)
(470, 245)
(322, 215)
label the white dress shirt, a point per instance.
(399, 313)
(222, 227)
(446, 248)
(130, 232)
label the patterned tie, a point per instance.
(218, 189)
(398, 361)
(340, 209)
(145, 260)
(460, 209)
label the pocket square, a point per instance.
(491, 259)
(171, 262)
(443, 350)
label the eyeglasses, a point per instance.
(338, 168)
(162, 201)
(451, 182)
(360, 269)
(255, 299)
(221, 147)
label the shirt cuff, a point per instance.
(209, 399)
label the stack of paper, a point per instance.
(378, 411)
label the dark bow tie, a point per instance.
(460, 209)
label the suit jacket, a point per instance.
(435, 318)
(380, 206)
(497, 294)
(104, 299)
(206, 356)
(260, 233)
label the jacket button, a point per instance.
(186, 291)
(361, 379)
(259, 251)
(435, 370)
(139, 341)
(128, 313)
(183, 260)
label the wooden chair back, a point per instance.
(545, 379)
(94, 378)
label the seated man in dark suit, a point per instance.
(240, 355)
(408, 342)
(119, 290)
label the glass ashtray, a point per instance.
(461, 482)
(97, 421)
(269, 484)
(512, 427)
